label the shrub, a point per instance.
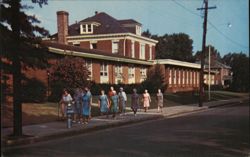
(33, 90)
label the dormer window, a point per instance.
(138, 30)
(88, 28)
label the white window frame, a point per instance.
(133, 49)
(183, 77)
(143, 72)
(142, 51)
(150, 52)
(131, 72)
(91, 45)
(84, 28)
(138, 30)
(175, 78)
(170, 77)
(115, 47)
(179, 76)
(118, 71)
(104, 69)
(88, 64)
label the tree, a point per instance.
(147, 34)
(20, 48)
(69, 73)
(239, 63)
(155, 79)
(214, 53)
(174, 46)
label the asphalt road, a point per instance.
(218, 132)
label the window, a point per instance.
(183, 77)
(88, 64)
(131, 72)
(191, 77)
(187, 77)
(93, 46)
(86, 28)
(115, 47)
(170, 77)
(143, 72)
(118, 74)
(89, 28)
(142, 51)
(179, 76)
(150, 52)
(175, 78)
(104, 69)
(133, 49)
(118, 71)
(138, 30)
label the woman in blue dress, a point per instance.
(86, 100)
(103, 103)
(114, 104)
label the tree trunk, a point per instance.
(17, 102)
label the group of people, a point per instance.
(81, 105)
(112, 103)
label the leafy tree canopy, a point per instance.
(214, 54)
(239, 62)
(173, 46)
(68, 73)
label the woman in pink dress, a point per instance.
(146, 100)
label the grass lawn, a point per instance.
(34, 113)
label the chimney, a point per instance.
(96, 12)
(62, 26)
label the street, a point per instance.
(216, 132)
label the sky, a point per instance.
(227, 29)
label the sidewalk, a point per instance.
(58, 129)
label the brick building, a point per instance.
(113, 47)
(115, 52)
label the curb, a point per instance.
(69, 133)
(229, 102)
(184, 112)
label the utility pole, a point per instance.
(209, 75)
(201, 92)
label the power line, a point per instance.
(190, 11)
(226, 35)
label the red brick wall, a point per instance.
(128, 48)
(147, 52)
(96, 71)
(125, 74)
(85, 44)
(137, 49)
(105, 45)
(137, 75)
(121, 47)
(153, 52)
